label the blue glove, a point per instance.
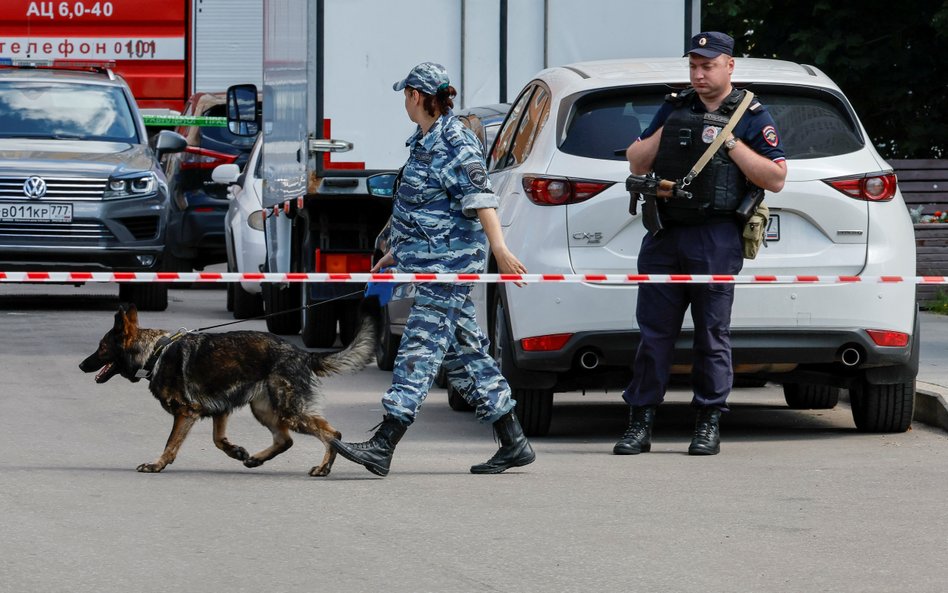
(382, 290)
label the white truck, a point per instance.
(328, 67)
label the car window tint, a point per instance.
(534, 116)
(812, 126)
(65, 110)
(506, 136)
(603, 125)
(222, 134)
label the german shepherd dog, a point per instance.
(196, 375)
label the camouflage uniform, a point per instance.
(435, 229)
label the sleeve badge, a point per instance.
(770, 135)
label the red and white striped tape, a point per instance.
(73, 277)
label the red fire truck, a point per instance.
(160, 47)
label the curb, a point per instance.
(931, 404)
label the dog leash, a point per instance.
(267, 315)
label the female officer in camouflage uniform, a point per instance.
(443, 215)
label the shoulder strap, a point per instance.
(709, 153)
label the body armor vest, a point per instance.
(718, 189)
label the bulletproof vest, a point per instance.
(718, 189)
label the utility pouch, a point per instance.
(755, 231)
(749, 203)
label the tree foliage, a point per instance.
(889, 59)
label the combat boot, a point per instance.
(376, 453)
(515, 450)
(638, 436)
(707, 439)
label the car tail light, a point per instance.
(545, 343)
(202, 158)
(884, 337)
(339, 263)
(874, 187)
(557, 191)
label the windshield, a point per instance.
(65, 111)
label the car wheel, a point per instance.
(457, 402)
(149, 296)
(882, 408)
(318, 321)
(808, 396)
(246, 304)
(386, 343)
(534, 410)
(534, 406)
(282, 307)
(230, 296)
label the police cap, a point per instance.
(711, 44)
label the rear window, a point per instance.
(53, 110)
(811, 125)
(222, 134)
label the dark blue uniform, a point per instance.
(710, 246)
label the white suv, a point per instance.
(558, 166)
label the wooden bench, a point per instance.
(924, 182)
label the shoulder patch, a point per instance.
(770, 135)
(477, 174)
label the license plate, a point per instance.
(773, 228)
(40, 212)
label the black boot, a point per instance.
(638, 436)
(515, 450)
(376, 453)
(707, 439)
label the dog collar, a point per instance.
(160, 345)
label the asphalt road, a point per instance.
(797, 501)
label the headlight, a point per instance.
(255, 220)
(128, 187)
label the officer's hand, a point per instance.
(386, 261)
(507, 263)
(665, 189)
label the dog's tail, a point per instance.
(359, 352)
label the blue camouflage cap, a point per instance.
(427, 77)
(711, 44)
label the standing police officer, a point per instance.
(443, 216)
(700, 236)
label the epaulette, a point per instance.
(755, 105)
(680, 97)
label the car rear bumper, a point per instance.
(757, 350)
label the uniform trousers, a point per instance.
(713, 248)
(442, 328)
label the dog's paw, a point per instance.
(253, 462)
(150, 468)
(320, 471)
(240, 454)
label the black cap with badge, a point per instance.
(711, 44)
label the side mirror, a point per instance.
(167, 142)
(242, 110)
(226, 174)
(382, 185)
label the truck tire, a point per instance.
(281, 306)
(318, 323)
(386, 343)
(348, 313)
(246, 304)
(147, 296)
(809, 396)
(882, 408)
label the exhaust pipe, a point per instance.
(850, 356)
(589, 360)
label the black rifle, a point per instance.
(646, 187)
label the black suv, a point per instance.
(198, 203)
(80, 185)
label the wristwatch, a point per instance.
(730, 143)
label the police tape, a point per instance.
(396, 277)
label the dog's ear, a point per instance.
(126, 322)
